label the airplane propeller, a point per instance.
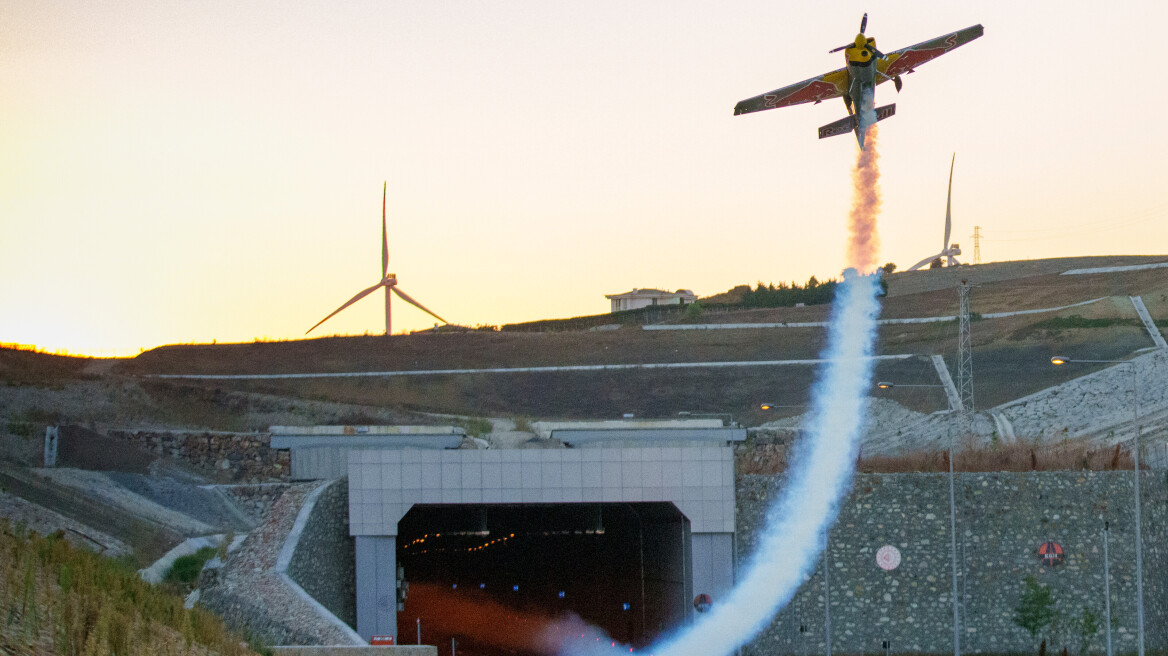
(861, 42)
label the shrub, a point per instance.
(1035, 610)
(185, 569)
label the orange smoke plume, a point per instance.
(864, 244)
(488, 622)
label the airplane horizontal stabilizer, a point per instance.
(842, 126)
(848, 123)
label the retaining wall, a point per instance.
(1002, 518)
(226, 457)
(325, 563)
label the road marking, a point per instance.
(517, 370)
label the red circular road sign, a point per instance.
(702, 602)
(1051, 553)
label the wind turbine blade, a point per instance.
(948, 199)
(406, 297)
(384, 236)
(353, 300)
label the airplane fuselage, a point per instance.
(860, 98)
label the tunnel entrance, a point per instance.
(509, 578)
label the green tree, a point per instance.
(1035, 610)
(694, 311)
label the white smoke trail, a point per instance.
(823, 467)
(820, 472)
(824, 461)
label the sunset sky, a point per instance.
(197, 171)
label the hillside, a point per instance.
(62, 600)
(1011, 358)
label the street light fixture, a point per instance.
(1060, 360)
(952, 516)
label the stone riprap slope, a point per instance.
(325, 561)
(1002, 519)
(1096, 408)
(250, 595)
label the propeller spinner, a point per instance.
(862, 41)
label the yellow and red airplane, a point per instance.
(856, 82)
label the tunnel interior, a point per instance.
(511, 578)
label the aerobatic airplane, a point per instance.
(856, 82)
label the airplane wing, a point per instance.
(828, 85)
(907, 59)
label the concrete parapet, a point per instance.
(346, 650)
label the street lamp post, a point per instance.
(952, 517)
(1059, 360)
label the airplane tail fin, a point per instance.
(848, 123)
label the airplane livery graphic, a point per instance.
(866, 68)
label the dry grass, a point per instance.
(55, 599)
(1011, 458)
(769, 459)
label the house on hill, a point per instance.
(639, 298)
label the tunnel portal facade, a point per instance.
(623, 537)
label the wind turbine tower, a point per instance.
(948, 251)
(388, 281)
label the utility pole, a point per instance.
(827, 590)
(965, 360)
(977, 244)
(1106, 588)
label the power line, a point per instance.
(1138, 216)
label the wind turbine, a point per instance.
(388, 281)
(947, 250)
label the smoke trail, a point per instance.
(820, 473)
(824, 460)
(864, 244)
(484, 621)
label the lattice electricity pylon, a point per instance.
(977, 244)
(965, 361)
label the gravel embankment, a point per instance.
(250, 594)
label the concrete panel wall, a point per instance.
(315, 463)
(698, 480)
(713, 564)
(376, 586)
(384, 484)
